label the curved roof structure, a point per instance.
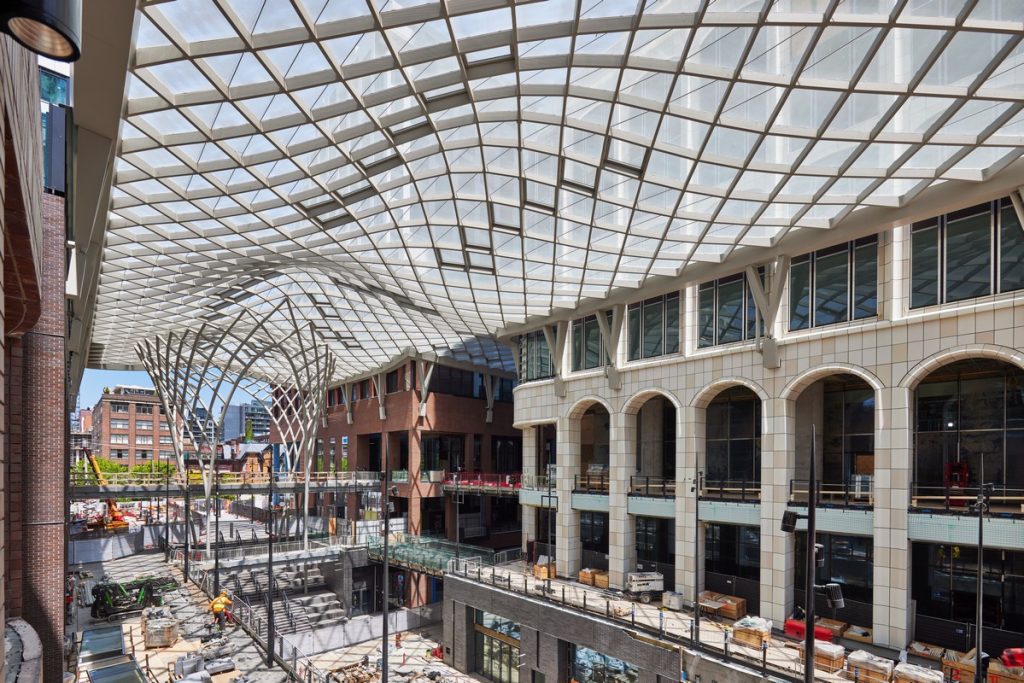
(416, 173)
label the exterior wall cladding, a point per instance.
(129, 450)
(892, 353)
(33, 416)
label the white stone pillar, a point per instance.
(891, 574)
(567, 537)
(621, 528)
(529, 471)
(778, 450)
(689, 445)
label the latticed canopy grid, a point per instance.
(418, 173)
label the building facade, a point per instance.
(897, 355)
(237, 419)
(129, 427)
(432, 420)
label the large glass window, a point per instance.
(726, 311)
(849, 561)
(970, 253)
(733, 438)
(733, 550)
(656, 547)
(944, 584)
(834, 285)
(534, 357)
(453, 381)
(590, 666)
(594, 539)
(441, 452)
(969, 412)
(653, 327)
(848, 429)
(496, 647)
(587, 343)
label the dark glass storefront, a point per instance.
(655, 547)
(496, 647)
(969, 412)
(849, 561)
(944, 582)
(594, 539)
(733, 550)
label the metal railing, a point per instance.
(852, 493)
(431, 476)
(486, 483)
(155, 479)
(535, 482)
(958, 499)
(591, 483)
(399, 476)
(652, 487)
(735, 490)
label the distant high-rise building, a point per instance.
(236, 417)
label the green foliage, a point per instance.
(248, 430)
(105, 466)
(161, 467)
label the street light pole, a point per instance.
(270, 566)
(811, 563)
(698, 484)
(981, 506)
(385, 503)
(216, 538)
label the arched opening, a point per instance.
(969, 430)
(732, 471)
(969, 424)
(595, 425)
(733, 443)
(655, 448)
(841, 408)
(655, 472)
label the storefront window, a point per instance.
(496, 647)
(849, 561)
(944, 584)
(590, 666)
(967, 412)
(733, 437)
(733, 550)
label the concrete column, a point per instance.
(529, 471)
(778, 449)
(689, 447)
(621, 528)
(567, 536)
(893, 452)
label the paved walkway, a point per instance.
(715, 635)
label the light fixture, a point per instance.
(51, 28)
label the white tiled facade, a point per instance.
(892, 353)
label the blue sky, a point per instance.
(94, 380)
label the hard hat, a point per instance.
(223, 592)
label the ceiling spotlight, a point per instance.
(51, 28)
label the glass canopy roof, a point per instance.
(415, 173)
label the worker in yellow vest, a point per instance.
(219, 606)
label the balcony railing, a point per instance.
(475, 482)
(591, 483)
(959, 499)
(652, 487)
(733, 490)
(854, 492)
(399, 476)
(537, 482)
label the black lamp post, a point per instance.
(981, 506)
(698, 484)
(833, 592)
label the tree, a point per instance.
(108, 466)
(248, 430)
(160, 466)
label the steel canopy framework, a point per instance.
(419, 173)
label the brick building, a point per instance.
(128, 427)
(432, 418)
(33, 419)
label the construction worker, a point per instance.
(219, 606)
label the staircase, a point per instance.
(297, 608)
